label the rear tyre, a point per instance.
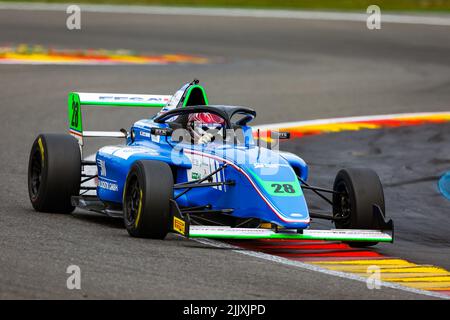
(146, 199)
(54, 173)
(359, 190)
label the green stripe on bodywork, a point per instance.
(188, 94)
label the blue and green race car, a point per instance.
(165, 176)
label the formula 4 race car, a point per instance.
(233, 185)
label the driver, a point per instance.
(202, 126)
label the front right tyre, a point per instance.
(357, 190)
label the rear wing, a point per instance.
(79, 99)
(190, 94)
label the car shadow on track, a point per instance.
(99, 219)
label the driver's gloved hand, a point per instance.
(206, 138)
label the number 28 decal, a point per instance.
(283, 188)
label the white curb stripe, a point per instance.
(397, 116)
(229, 12)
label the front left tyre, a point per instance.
(146, 199)
(54, 173)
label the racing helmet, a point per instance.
(204, 121)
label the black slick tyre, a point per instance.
(146, 199)
(54, 173)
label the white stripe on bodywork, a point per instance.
(92, 98)
(104, 134)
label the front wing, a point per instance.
(214, 232)
(180, 224)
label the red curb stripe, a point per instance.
(326, 259)
(308, 247)
(353, 254)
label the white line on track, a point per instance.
(315, 268)
(230, 12)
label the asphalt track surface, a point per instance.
(287, 70)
